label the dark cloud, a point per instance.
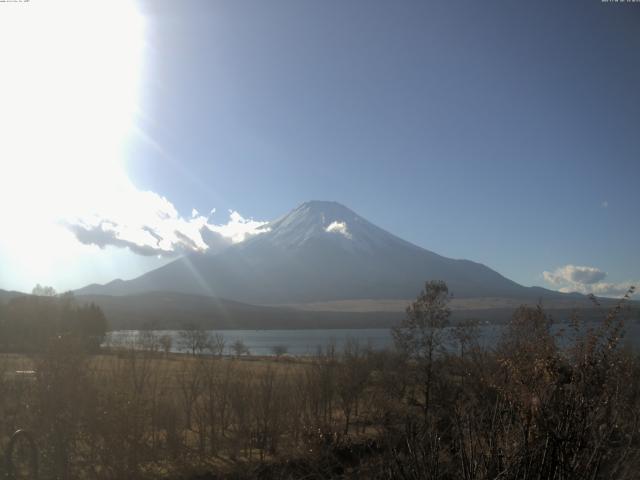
(102, 237)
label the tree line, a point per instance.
(29, 322)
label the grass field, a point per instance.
(527, 408)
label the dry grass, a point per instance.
(527, 409)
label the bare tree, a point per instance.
(189, 380)
(279, 350)
(239, 348)
(420, 334)
(148, 341)
(466, 334)
(166, 342)
(216, 344)
(351, 379)
(194, 340)
(44, 291)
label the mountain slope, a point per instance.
(6, 295)
(170, 310)
(321, 251)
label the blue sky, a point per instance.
(502, 132)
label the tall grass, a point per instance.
(537, 406)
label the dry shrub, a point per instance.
(538, 406)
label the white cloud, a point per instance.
(605, 204)
(574, 274)
(583, 279)
(339, 227)
(604, 289)
(238, 228)
(148, 224)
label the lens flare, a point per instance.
(69, 92)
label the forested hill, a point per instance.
(29, 322)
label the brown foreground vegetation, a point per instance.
(526, 409)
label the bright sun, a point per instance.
(69, 83)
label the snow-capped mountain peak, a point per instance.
(320, 251)
(329, 222)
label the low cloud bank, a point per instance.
(150, 225)
(584, 279)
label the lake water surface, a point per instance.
(307, 342)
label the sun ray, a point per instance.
(71, 73)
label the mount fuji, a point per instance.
(320, 252)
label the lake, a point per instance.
(307, 342)
(261, 342)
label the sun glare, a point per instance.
(70, 77)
